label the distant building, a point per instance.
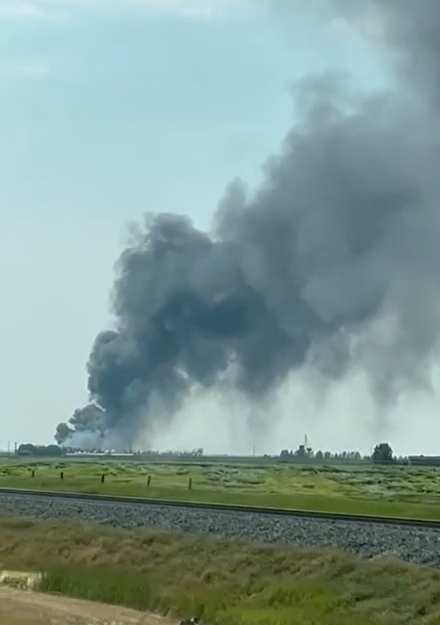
(428, 461)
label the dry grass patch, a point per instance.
(224, 582)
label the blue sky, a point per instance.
(109, 109)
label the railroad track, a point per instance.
(243, 509)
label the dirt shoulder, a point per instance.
(18, 607)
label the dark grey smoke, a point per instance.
(89, 421)
(334, 261)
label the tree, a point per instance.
(301, 452)
(48, 451)
(383, 454)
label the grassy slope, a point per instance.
(225, 582)
(396, 491)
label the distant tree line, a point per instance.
(382, 454)
(303, 454)
(40, 451)
(55, 451)
(195, 453)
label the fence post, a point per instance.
(149, 481)
(102, 478)
(190, 483)
(33, 472)
(62, 475)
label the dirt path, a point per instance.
(18, 607)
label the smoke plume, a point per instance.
(332, 262)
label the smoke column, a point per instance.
(332, 262)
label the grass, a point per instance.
(224, 582)
(388, 491)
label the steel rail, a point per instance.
(218, 507)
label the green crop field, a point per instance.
(389, 491)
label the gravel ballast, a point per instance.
(421, 546)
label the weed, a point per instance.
(222, 582)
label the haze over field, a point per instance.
(307, 301)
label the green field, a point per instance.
(225, 582)
(389, 491)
